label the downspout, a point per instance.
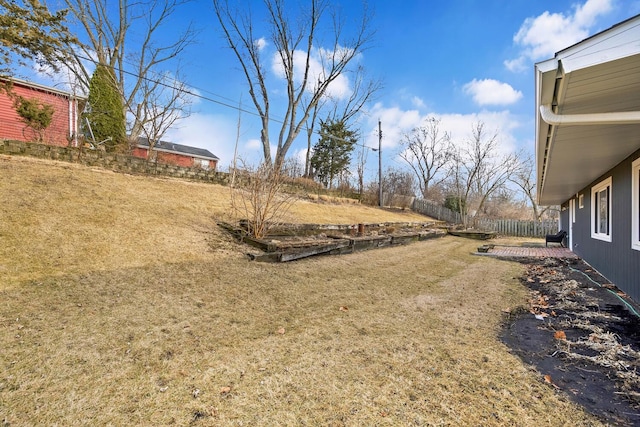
(621, 118)
(70, 119)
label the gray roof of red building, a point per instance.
(178, 148)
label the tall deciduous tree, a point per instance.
(105, 113)
(140, 42)
(428, 152)
(165, 105)
(524, 178)
(307, 63)
(479, 170)
(29, 30)
(332, 153)
(344, 109)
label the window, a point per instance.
(201, 163)
(635, 205)
(581, 201)
(601, 209)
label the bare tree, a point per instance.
(342, 110)
(166, 103)
(298, 44)
(479, 171)
(125, 36)
(428, 151)
(311, 121)
(524, 178)
(360, 164)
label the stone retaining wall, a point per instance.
(113, 161)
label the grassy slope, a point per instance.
(64, 218)
(123, 304)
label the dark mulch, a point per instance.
(582, 334)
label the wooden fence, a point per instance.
(505, 227)
(519, 228)
(436, 211)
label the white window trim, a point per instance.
(635, 205)
(581, 201)
(594, 191)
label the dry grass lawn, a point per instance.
(124, 304)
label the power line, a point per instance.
(215, 101)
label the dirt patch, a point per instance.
(583, 335)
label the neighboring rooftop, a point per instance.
(171, 147)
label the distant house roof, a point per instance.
(170, 147)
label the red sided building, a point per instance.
(63, 130)
(176, 154)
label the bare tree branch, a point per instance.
(296, 40)
(479, 171)
(108, 38)
(428, 152)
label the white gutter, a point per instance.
(626, 117)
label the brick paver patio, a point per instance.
(537, 252)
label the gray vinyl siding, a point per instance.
(615, 260)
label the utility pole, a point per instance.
(379, 163)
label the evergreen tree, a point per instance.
(332, 153)
(30, 31)
(106, 110)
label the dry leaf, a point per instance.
(225, 390)
(281, 331)
(560, 335)
(547, 379)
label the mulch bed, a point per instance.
(582, 335)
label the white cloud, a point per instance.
(254, 144)
(216, 133)
(339, 88)
(260, 43)
(418, 102)
(396, 122)
(542, 36)
(503, 123)
(492, 92)
(517, 65)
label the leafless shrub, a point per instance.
(261, 201)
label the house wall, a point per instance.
(12, 127)
(175, 159)
(139, 152)
(615, 260)
(172, 158)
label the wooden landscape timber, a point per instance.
(473, 234)
(288, 246)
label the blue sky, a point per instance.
(461, 61)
